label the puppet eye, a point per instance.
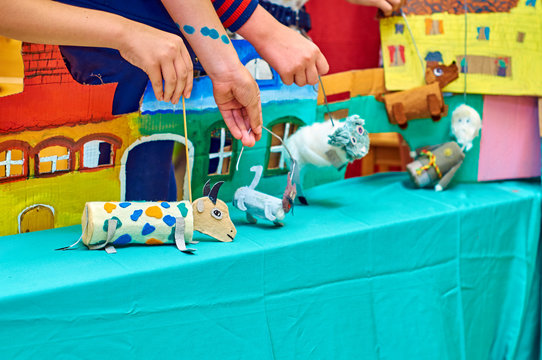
(354, 140)
(360, 129)
(217, 214)
(438, 72)
(467, 120)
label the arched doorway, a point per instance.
(148, 172)
(36, 217)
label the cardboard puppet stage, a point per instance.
(373, 267)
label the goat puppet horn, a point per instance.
(213, 195)
(207, 188)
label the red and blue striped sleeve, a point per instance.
(234, 13)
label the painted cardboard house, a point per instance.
(60, 145)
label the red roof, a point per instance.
(51, 97)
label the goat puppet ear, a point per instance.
(213, 195)
(200, 205)
(207, 188)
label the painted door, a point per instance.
(37, 218)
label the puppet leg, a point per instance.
(251, 219)
(434, 107)
(399, 115)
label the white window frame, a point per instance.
(53, 159)
(279, 148)
(221, 154)
(8, 162)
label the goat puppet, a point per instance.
(424, 101)
(107, 224)
(260, 205)
(324, 144)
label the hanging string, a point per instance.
(466, 68)
(413, 40)
(186, 154)
(325, 101)
(276, 136)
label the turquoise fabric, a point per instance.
(372, 269)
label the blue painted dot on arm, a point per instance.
(213, 34)
(205, 31)
(189, 29)
(225, 39)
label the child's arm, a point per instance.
(236, 92)
(294, 57)
(161, 55)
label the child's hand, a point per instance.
(297, 59)
(165, 59)
(387, 6)
(238, 98)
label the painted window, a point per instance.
(277, 158)
(220, 151)
(399, 28)
(434, 27)
(259, 69)
(54, 159)
(12, 163)
(397, 55)
(97, 153)
(483, 33)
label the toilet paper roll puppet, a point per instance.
(109, 224)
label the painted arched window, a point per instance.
(13, 160)
(54, 156)
(98, 151)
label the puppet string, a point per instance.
(325, 101)
(276, 136)
(465, 57)
(186, 153)
(413, 40)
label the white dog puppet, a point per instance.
(322, 144)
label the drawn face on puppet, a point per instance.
(466, 125)
(352, 137)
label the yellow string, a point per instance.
(186, 152)
(432, 163)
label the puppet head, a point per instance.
(351, 137)
(443, 74)
(466, 125)
(211, 215)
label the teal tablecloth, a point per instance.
(370, 270)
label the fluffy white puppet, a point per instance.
(466, 125)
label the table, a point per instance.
(372, 269)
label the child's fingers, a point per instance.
(190, 72)
(231, 124)
(321, 64)
(155, 77)
(312, 75)
(300, 78)
(385, 6)
(170, 79)
(182, 76)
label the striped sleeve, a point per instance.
(234, 13)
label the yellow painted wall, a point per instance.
(68, 192)
(526, 57)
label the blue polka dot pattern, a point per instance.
(136, 214)
(123, 240)
(147, 229)
(205, 31)
(165, 205)
(124, 205)
(169, 220)
(182, 208)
